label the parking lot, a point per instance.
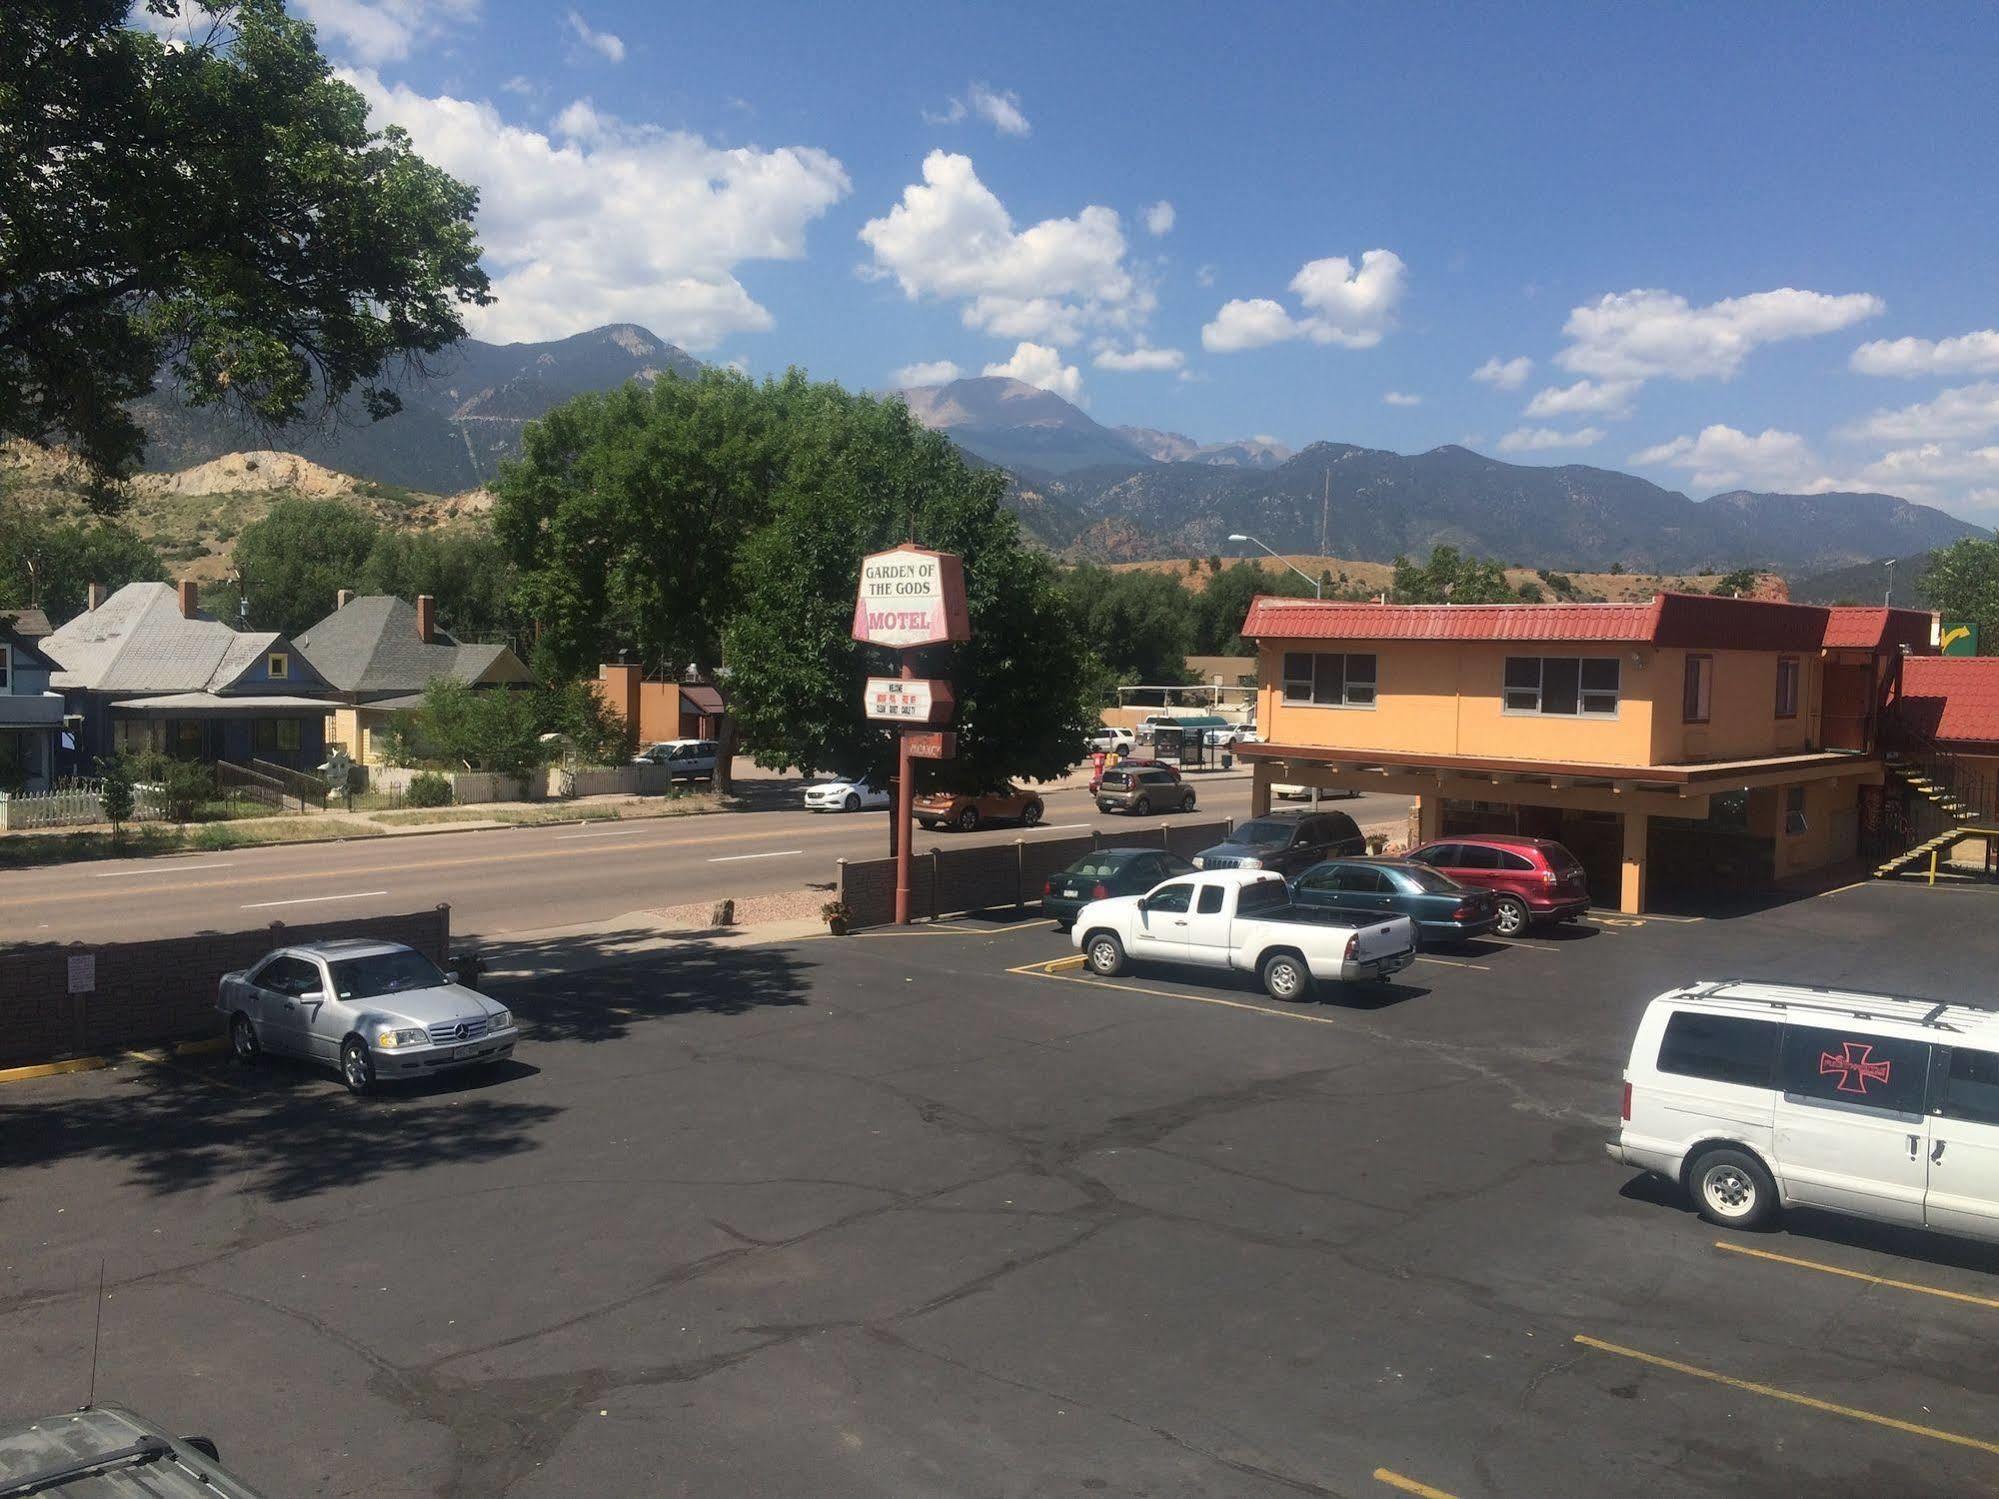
(934, 1212)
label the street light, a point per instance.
(1888, 597)
(1317, 587)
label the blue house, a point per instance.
(147, 669)
(30, 714)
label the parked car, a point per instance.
(1230, 737)
(1755, 1097)
(108, 1450)
(1110, 742)
(684, 759)
(1288, 842)
(1535, 880)
(373, 1011)
(1242, 919)
(1103, 874)
(845, 796)
(966, 811)
(1143, 789)
(1443, 910)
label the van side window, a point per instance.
(1876, 1072)
(1972, 1093)
(1721, 1048)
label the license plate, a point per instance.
(461, 1052)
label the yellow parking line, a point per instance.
(1074, 960)
(1043, 971)
(1841, 890)
(1810, 1403)
(1409, 1485)
(52, 1069)
(1872, 1280)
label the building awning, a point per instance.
(703, 699)
(183, 704)
(30, 710)
(1714, 775)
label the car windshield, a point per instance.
(1425, 878)
(384, 973)
(1263, 830)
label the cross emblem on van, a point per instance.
(1853, 1062)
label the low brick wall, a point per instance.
(142, 993)
(948, 881)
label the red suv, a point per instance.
(1535, 879)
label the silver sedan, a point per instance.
(372, 1011)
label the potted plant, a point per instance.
(836, 916)
(1376, 842)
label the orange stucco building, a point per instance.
(1685, 741)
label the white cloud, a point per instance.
(1642, 335)
(603, 43)
(1141, 358)
(1967, 354)
(999, 108)
(1400, 398)
(1504, 374)
(1159, 219)
(632, 223)
(1965, 411)
(1037, 364)
(1545, 439)
(1584, 398)
(1722, 457)
(378, 31)
(951, 237)
(523, 85)
(1343, 305)
(928, 372)
(1205, 276)
(1921, 472)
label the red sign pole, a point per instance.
(905, 811)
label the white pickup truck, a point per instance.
(1241, 919)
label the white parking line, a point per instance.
(307, 900)
(119, 874)
(776, 853)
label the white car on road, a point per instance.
(845, 796)
(1242, 919)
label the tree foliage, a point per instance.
(1742, 581)
(1223, 605)
(458, 727)
(1451, 577)
(52, 562)
(216, 205)
(463, 567)
(1962, 582)
(1139, 623)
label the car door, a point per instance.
(1367, 892)
(279, 983)
(1208, 927)
(1963, 1196)
(1160, 930)
(326, 1021)
(1319, 886)
(1850, 1130)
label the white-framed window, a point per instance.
(1563, 686)
(1323, 679)
(277, 666)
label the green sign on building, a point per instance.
(1958, 637)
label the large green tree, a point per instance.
(1450, 577)
(1140, 623)
(52, 563)
(463, 567)
(215, 205)
(295, 559)
(1224, 604)
(1962, 582)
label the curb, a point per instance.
(203, 1047)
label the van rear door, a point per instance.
(1851, 1133)
(1964, 1144)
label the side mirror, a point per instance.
(312, 996)
(1145, 903)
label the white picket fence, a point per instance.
(72, 804)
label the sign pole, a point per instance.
(905, 811)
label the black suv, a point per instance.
(1288, 842)
(1143, 789)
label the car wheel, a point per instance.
(1512, 916)
(1286, 977)
(1105, 954)
(852, 803)
(1187, 802)
(1732, 1189)
(1030, 815)
(357, 1068)
(1143, 806)
(243, 1038)
(968, 820)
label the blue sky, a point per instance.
(1761, 237)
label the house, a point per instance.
(659, 708)
(147, 669)
(30, 714)
(1686, 742)
(378, 653)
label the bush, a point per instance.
(428, 789)
(180, 786)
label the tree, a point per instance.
(1742, 581)
(217, 206)
(463, 567)
(1224, 604)
(295, 560)
(467, 728)
(1140, 624)
(52, 563)
(1451, 577)
(116, 798)
(1962, 582)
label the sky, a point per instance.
(1723, 247)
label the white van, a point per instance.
(1761, 1096)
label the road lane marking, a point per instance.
(1047, 971)
(1453, 963)
(1842, 889)
(1057, 827)
(1809, 1402)
(1409, 1485)
(119, 874)
(308, 900)
(778, 853)
(602, 833)
(1872, 1280)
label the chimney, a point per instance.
(426, 618)
(96, 594)
(343, 598)
(190, 598)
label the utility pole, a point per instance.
(1325, 514)
(1888, 596)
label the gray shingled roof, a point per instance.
(372, 647)
(138, 641)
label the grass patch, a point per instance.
(514, 815)
(29, 850)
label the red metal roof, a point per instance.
(1858, 628)
(1951, 698)
(1671, 619)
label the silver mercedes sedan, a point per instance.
(373, 1011)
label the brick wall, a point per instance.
(948, 881)
(148, 992)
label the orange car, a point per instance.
(966, 811)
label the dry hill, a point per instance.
(1377, 576)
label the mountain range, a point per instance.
(1128, 493)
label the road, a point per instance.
(505, 879)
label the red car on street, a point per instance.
(1536, 880)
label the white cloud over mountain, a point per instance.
(928, 372)
(1722, 457)
(1584, 398)
(1548, 439)
(1343, 305)
(1037, 364)
(1644, 335)
(610, 222)
(1964, 411)
(1967, 354)
(1504, 374)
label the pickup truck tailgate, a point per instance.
(1387, 939)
